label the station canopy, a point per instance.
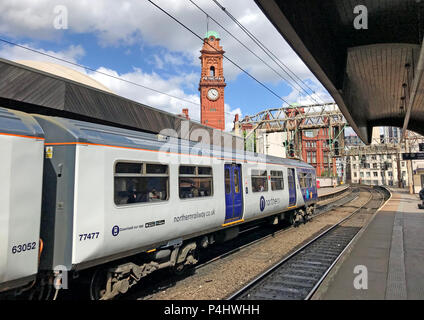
(367, 53)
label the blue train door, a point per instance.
(292, 187)
(233, 193)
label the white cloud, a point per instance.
(139, 22)
(135, 22)
(317, 95)
(72, 54)
(229, 117)
(173, 86)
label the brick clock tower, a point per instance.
(212, 82)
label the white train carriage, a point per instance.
(122, 204)
(21, 168)
(110, 193)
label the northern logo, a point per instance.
(262, 203)
(115, 231)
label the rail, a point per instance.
(298, 275)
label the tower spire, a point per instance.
(212, 82)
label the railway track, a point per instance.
(298, 275)
(261, 235)
(247, 238)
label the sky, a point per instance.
(136, 41)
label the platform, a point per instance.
(392, 250)
(329, 190)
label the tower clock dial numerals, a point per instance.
(213, 94)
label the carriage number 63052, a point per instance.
(24, 247)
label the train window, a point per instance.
(236, 182)
(195, 182)
(128, 167)
(187, 169)
(205, 171)
(156, 168)
(227, 181)
(140, 182)
(277, 182)
(259, 181)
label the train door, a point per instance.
(292, 187)
(233, 193)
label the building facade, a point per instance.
(381, 163)
(212, 82)
(272, 143)
(316, 152)
(378, 169)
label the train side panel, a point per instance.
(263, 203)
(21, 163)
(104, 229)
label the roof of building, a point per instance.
(64, 72)
(32, 90)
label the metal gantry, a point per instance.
(295, 119)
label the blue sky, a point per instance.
(135, 41)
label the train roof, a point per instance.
(18, 123)
(63, 130)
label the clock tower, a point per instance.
(212, 82)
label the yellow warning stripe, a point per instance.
(230, 223)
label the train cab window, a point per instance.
(195, 182)
(305, 180)
(302, 179)
(140, 182)
(277, 182)
(259, 181)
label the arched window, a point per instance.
(212, 71)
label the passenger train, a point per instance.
(108, 205)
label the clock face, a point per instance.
(213, 94)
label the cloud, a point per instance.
(135, 22)
(318, 95)
(229, 116)
(138, 23)
(72, 54)
(172, 85)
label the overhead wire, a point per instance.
(252, 52)
(270, 54)
(225, 56)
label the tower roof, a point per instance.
(212, 33)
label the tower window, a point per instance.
(212, 71)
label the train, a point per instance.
(82, 202)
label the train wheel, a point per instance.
(187, 265)
(179, 269)
(98, 284)
(292, 218)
